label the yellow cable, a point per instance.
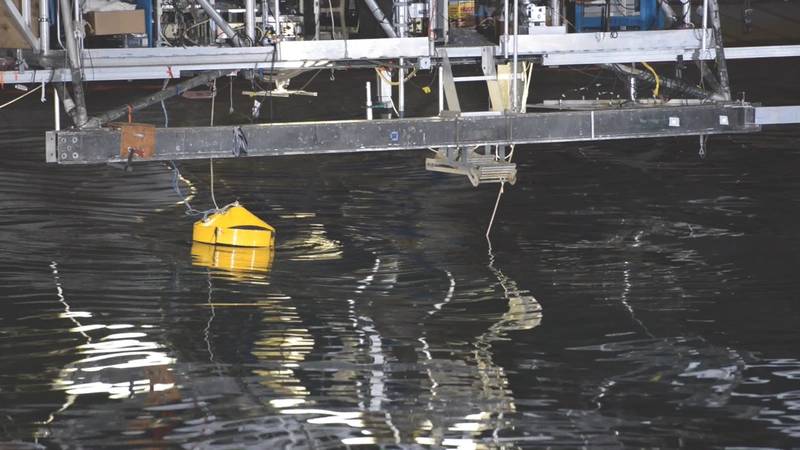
(396, 83)
(658, 81)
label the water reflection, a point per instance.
(233, 259)
(465, 396)
(118, 360)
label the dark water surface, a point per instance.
(633, 296)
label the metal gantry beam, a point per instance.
(103, 145)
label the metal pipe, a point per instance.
(158, 97)
(555, 12)
(687, 13)
(44, 27)
(369, 100)
(505, 29)
(73, 58)
(78, 20)
(56, 109)
(441, 90)
(158, 23)
(514, 87)
(401, 94)
(669, 13)
(380, 17)
(26, 12)
(217, 19)
(277, 14)
(250, 19)
(705, 24)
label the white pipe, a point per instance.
(158, 24)
(250, 19)
(44, 27)
(277, 13)
(514, 87)
(401, 94)
(555, 12)
(669, 13)
(441, 90)
(505, 29)
(380, 17)
(369, 100)
(26, 12)
(78, 23)
(687, 13)
(57, 109)
(705, 24)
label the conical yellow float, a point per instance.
(234, 226)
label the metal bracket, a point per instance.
(136, 138)
(478, 168)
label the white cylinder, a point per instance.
(555, 12)
(705, 23)
(44, 27)
(250, 19)
(369, 100)
(515, 69)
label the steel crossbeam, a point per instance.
(103, 145)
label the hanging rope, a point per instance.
(494, 212)
(500, 192)
(21, 97)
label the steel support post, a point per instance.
(722, 65)
(555, 13)
(250, 20)
(514, 85)
(73, 58)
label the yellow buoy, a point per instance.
(233, 259)
(234, 226)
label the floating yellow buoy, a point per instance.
(235, 226)
(233, 259)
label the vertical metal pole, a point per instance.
(78, 20)
(277, 13)
(212, 24)
(71, 39)
(158, 25)
(44, 27)
(555, 12)
(705, 24)
(401, 92)
(57, 109)
(369, 100)
(26, 12)
(250, 20)
(687, 13)
(441, 90)
(505, 29)
(515, 70)
(316, 20)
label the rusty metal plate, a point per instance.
(139, 137)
